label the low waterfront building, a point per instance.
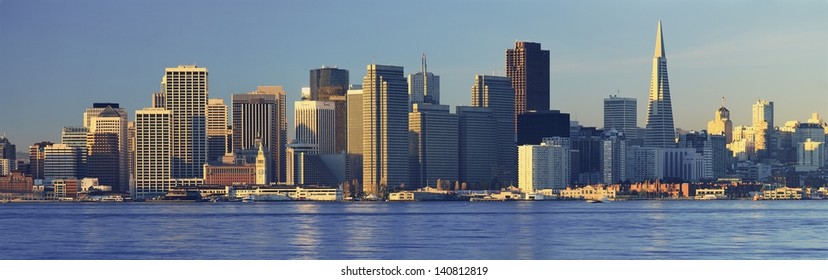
(588, 192)
(66, 189)
(712, 193)
(783, 193)
(228, 175)
(401, 196)
(16, 182)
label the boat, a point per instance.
(594, 201)
(757, 197)
(249, 198)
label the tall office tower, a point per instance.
(424, 86)
(331, 84)
(721, 124)
(433, 145)
(186, 90)
(355, 133)
(533, 126)
(496, 93)
(96, 110)
(385, 129)
(103, 159)
(586, 162)
(153, 155)
(159, 99)
(660, 130)
(216, 129)
(478, 164)
(315, 123)
(37, 154)
(261, 115)
(328, 77)
(712, 149)
(61, 162)
(614, 157)
(75, 136)
(110, 120)
(528, 68)
(762, 126)
(544, 166)
(8, 152)
(621, 114)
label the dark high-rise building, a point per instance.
(587, 165)
(7, 149)
(478, 164)
(331, 84)
(328, 77)
(528, 67)
(496, 93)
(533, 126)
(103, 159)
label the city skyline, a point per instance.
(762, 50)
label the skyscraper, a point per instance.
(546, 165)
(152, 152)
(495, 93)
(433, 146)
(8, 153)
(37, 155)
(534, 126)
(315, 123)
(660, 131)
(97, 108)
(621, 114)
(385, 129)
(328, 77)
(216, 128)
(261, 115)
(527, 65)
(186, 91)
(762, 126)
(61, 162)
(614, 157)
(331, 84)
(424, 86)
(355, 133)
(103, 159)
(111, 121)
(478, 164)
(75, 136)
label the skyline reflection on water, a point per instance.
(427, 230)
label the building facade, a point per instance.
(315, 123)
(496, 93)
(477, 162)
(621, 114)
(153, 155)
(527, 65)
(433, 145)
(186, 90)
(261, 115)
(216, 129)
(544, 166)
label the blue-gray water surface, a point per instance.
(426, 230)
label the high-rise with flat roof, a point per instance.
(334, 79)
(527, 65)
(153, 156)
(354, 100)
(61, 162)
(433, 146)
(216, 128)
(186, 90)
(621, 113)
(37, 156)
(477, 162)
(763, 126)
(385, 129)
(495, 93)
(315, 123)
(660, 131)
(261, 115)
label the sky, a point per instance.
(58, 57)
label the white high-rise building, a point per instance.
(621, 114)
(186, 90)
(315, 123)
(544, 166)
(614, 157)
(385, 129)
(661, 132)
(763, 126)
(153, 156)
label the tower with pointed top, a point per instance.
(660, 131)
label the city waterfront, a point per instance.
(428, 230)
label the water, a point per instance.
(427, 230)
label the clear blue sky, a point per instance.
(57, 57)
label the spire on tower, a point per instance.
(659, 47)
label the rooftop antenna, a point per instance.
(425, 78)
(723, 101)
